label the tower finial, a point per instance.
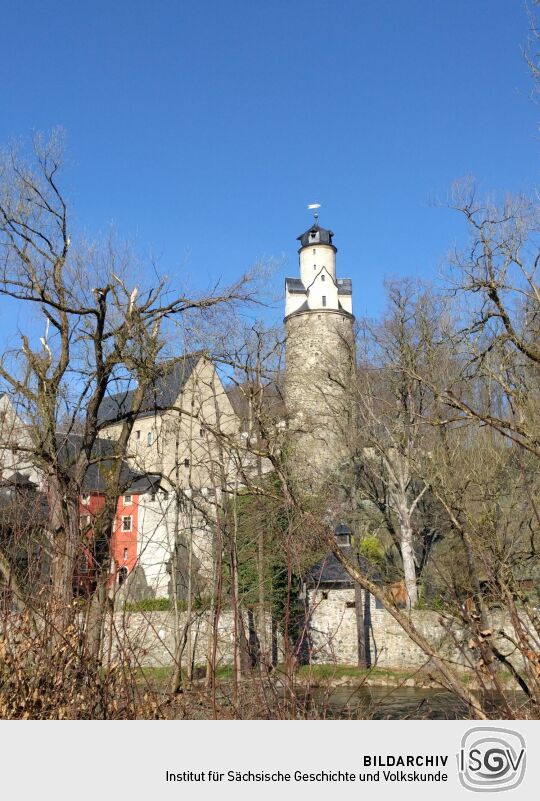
(315, 206)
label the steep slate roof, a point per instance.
(18, 480)
(162, 394)
(316, 236)
(295, 286)
(142, 485)
(273, 404)
(344, 286)
(95, 479)
(329, 571)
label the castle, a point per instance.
(177, 468)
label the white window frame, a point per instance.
(123, 527)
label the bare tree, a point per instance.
(100, 332)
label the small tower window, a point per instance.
(324, 300)
(323, 278)
(149, 438)
(137, 434)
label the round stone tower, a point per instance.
(320, 362)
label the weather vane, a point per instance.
(314, 207)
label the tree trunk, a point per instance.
(360, 633)
(408, 557)
(65, 525)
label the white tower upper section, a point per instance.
(318, 288)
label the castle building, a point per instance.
(320, 361)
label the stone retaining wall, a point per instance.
(334, 639)
(149, 637)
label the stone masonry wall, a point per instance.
(333, 633)
(148, 638)
(319, 373)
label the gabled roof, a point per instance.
(162, 394)
(330, 571)
(18, 480)
(344, 286)
(295, 286)
(143, 484)
(273, 406)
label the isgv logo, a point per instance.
(491, 759)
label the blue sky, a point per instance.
(202, 129)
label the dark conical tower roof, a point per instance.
(316, 236)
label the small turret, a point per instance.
(317, 289)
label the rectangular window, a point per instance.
(186, 462)
(127, 500)
(137, 434)
(323, 278)
(350, 605)
(324, 300)
(201, 432)
(126, 523)
(149, 438)
(125, 554)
